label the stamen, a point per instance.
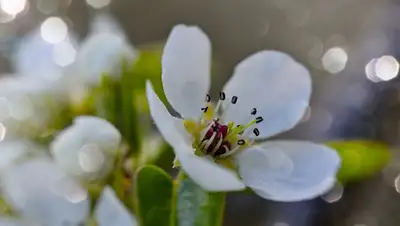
(256, 132)
(241, 142)
(259, 119)
(209, 142)
(254, 111)
(222, 97)
(204, 133)
(204, 109)
(230, 152)
(203, 144)
(217, 146)
(208, 98)
(234, 100)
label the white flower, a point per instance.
(11, 221)
(44, 195)
(110, 210)
(87, 148)
(26, 105)
(268, 94)
(103, 50)
(70, 63)
(41, 192)
(16, 151)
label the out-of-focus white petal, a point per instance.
(8, 221)
(289, 170)
(110, 211)
(273, 83)
(13, 151)
(38, 189)
(103, 51)
(205, 173)
(26, 105)
(87, 147)
(186, 65)
(105, 23)
(35, 57)
(170, 127)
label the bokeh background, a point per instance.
(350, 48)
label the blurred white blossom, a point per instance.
(26, 105)
(111, 211)
(103, 50)
(40, 191)
(17, 151)
(87, 148)
(44, 195)
(68, 63)
(268, 94)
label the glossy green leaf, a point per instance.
(154, 195)
(195, 207)
(360, 159)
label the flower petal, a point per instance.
(10, 221)
(205, 173)
(170, 127)
(12, 151)
(102, 53)
(186, 65)
(289, 170)
(87, 147)
(103, 50)
(34, 52)
(110, 211)
(273, 83)
(40, 190)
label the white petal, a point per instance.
(35, 52)
(41, 191)
(102, 53)
(110, 211)
(208, 175)
(87, 147)
(273, 83)
(105, 23)
(170, 127)
(24, 105)
(8, 221)
(12, 151)
(186, 65)
(289, 170)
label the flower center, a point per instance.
(219, 139)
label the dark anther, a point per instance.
(204, 109)
(254, 111)
(219, 152)
(240, 142)
(222, 96)
(256, 132)
(234, 99)
(259, 119)
(208, 98)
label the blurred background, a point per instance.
(350, 48)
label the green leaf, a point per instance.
(360, 159)
(154, 195)
(196, 207)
